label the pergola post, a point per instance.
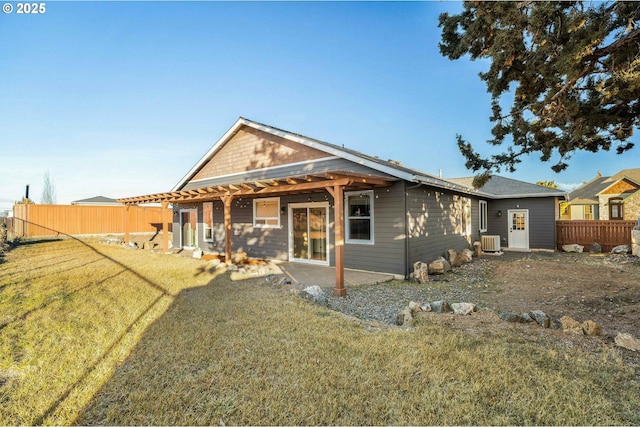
(126, 224)
(338, 214)
(226, 200)
(164, 211)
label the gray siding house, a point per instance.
(279, 195)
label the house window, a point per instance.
(615, 209)
(482, 215)
(266, 212)
(207, 220)
(588, 212)
(359, 217)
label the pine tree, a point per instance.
(570, 70)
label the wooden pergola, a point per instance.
(335, 183)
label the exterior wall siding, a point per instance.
(434, 223)
(251, 149)
(388, 253)
(541, 220)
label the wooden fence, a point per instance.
(608, 234)
(50, 220)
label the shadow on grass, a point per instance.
(40, 419)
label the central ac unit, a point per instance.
(491, 243)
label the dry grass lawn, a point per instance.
(98, 334)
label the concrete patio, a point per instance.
(325, 277)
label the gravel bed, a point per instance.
(383, 301)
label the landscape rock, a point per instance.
(621, 249)
(421, 272)
(635, 242)
(515, 318)
(405, 318)
(439, 266)
(477, 249)
(595, 248)
(455, 258)
(541, 318)
(314, 294)
(240, 257)
(197, 253)
(571, 326)
(573, 248)
(627, 341)
(440, 307)
(414, 307)
(591, 328)
(467, 255)
(463, 307)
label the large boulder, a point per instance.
(573, 248)
(590, 328)
(621, 249)
(463, 307)
(421, 272)
(455, 258)
(467, 255)
(440, 307)
(541, 318)
(314, 294)
(595, 248)
(635, 242)
(627, 341)
(439, 266)
(571, 326)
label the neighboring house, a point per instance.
(279, 195)
(607, 197)
(97, 201)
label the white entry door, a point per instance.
(518, 229)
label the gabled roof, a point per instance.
(631, 174)
(587, 193)
(508, 188)
(97, 200)
(367, 170)
(387, 167)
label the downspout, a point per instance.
(407, 268)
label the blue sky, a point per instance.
(123, 98)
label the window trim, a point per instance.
(256, 217)
(483, 216)
(347, 225)
(619, 203)
(205, 227)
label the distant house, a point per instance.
(97, 201)
(607, 197)
(280, 195)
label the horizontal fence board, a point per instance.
(608, 234)
(51, 220)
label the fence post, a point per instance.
(164, 211)
(126, 224)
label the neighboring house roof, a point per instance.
(632, 174)
(587, 193)
(508, 188)
(97, 200)
(499, 188)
